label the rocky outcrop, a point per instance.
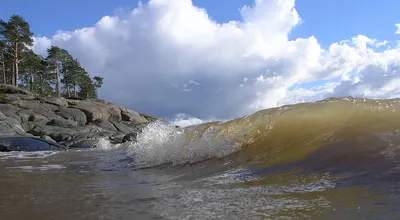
(49, 123)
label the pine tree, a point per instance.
(16, 36)
(54, 59)
(3, 62)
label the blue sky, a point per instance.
(229, 68)
(329, 20)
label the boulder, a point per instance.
(130, 115)
(55, 101)
(10, 126)
(10, 111)
(124, 128)
(72, 114)
(19, 143)
(105, 124)
(149, 117)
(63, 123)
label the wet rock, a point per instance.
(48, 138)
(19, 143)
(129, 137)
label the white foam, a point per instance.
(39, 168)
(106, 145)
(162, 143)
(26, 155)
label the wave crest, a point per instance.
(162, 143)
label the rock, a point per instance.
(44, 109)
(129, 137)
(129, 115)
(10, 126)
(9, 89)
(64, 123)
(55, 101)
(72, 114)
(149, 117)
(17, 97)
(85, 144)
(70, 122)
(10, 111)
(29, 115)
(105, 124)
(47, 138)
(93, 111)
(38, 118)
(124, 128)
(60, 137)
(19, 143)
(2, 116)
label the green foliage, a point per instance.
(59, 73)
(15, 36)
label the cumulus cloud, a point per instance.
(184, 120)
(168, 56)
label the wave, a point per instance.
(277, 135)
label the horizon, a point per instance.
(191, 63)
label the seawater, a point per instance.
(333, 159)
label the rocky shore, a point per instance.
(32, 123)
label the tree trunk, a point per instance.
(13, 74)
(68, 92)
(4, 69)
(16, 63)
(31, 81)
(75, 88)
(41, 85)
(57, 78)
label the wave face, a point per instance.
(300, 132)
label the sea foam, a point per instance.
(163, 143)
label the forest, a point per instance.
(57, 74)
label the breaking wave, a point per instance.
(163, 143)
(278, 135)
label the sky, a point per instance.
(199, 60)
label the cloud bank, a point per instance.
(168, 57)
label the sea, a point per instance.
(333, 159)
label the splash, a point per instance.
(163, 143)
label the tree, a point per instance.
(31, 70)
(55, 56)
(3, 62)
(86, 87)
(72, 71)
(16, 36)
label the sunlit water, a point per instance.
(330, 168)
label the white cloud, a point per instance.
(168, 56)
(184, 120)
